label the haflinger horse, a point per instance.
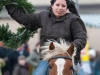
(59, 56)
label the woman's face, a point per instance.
(59, 8)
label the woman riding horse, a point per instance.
(61, 20)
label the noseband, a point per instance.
(56, 57)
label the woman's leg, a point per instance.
(42, 68)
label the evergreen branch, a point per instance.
(14, 40)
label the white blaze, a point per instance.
(60, 65)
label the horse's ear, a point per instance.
(71, 49)
(51, 46)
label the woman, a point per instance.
(61, 20)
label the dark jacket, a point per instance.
(2, 52)
(69, 27)
(20, 70)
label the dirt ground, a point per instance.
(93, 34)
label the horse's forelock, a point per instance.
(60, 48)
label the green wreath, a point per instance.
(13, 40)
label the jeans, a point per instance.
(42, 68)
(78, 69)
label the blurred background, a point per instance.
(89, 11)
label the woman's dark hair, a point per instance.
(70, 6)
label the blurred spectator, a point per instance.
(2, 50)
(3, 54)
(2, 64)
(97, 67)
(21, 68)
(1, 43)
(23, 50)
(92, 57)
(13, 56)
(33, 58)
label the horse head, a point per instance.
(59, 57)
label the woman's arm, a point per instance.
(31, 21)
(79, 34)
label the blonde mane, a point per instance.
(60, 48)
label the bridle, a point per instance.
(65, 57)
(56, 57)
